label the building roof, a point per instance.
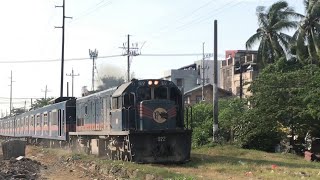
(199, 87)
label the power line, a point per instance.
(206, 17)
(92, 10)
(100, 57)
(183, 54)
(6, 98)
(53, 60)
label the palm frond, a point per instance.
(253, 39)
(285, 40)
(283, 24)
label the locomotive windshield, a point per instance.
(144, 93)
(160, 92)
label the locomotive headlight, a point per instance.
(156, 82)
(150, 83)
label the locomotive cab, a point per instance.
(147, 105)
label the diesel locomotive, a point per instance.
(140, 121)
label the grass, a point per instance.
(224, 162)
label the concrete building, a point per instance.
(191, 76)
(237, 63)
(195, 95)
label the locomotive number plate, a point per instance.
(161, 138)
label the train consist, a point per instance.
(140, 121)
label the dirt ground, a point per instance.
(59, 165)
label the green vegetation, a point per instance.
(285, 101)
(218, 162)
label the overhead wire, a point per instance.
(100, 57)
(53, 60)
(189, 14)
(208, 16)
(89, 11)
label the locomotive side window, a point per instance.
(117, 102)
(114, 103)
(161, 92)
(174, 95)
(128, 100)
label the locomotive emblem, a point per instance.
(160, 115)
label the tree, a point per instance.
(17, 111)
(308, 35)
(286, 94)
(109, 82)
(40, 103)
(272, 21)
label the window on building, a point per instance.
(237, 91)
(198, 99)
(179, 82)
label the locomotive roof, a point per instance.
(120, 89)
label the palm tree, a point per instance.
(308, 35)
(272, 21)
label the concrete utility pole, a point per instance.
(93, 56)
(203, 79)
(72, 81)
(128, 55)
(62, 52)
(129, 52)
(215, 127)
(10, 111)
(45, 92)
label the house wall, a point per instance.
(196, 95)
(229, 79)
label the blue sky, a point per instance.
(163, 26)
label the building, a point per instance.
(195, 95)
(191, 76)
(238, 63)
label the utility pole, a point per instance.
(241, 81)
(62, 52)
(93, 56)
(72, 79)
(10, 111)
(129, 52)
(215, 127)
(45, 92)
(203, 79)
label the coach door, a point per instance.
(94, 114)
(59, 122)
(106, 113)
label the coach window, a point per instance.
(54, 117)
(27, 121)
(38, 119)
(45, 119)
(161, 92)
(32, 120)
